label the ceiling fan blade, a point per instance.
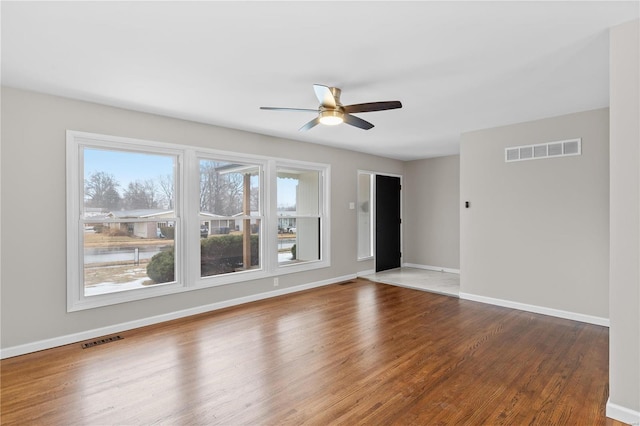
(310, 124)
(324, 95)
(289, 109)
(357, 122)
(372, 106)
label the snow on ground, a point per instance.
(110, 287)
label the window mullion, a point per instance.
(270, 245)
(191, 238)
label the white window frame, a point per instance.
(222, 279)
(367, 233)
(324, 171)
(76, 142)
(186, 208)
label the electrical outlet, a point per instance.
(275, 282)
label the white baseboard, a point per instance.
(432, 268)
(537, 309)
(367, 272)
(622, 414)
(118, 328)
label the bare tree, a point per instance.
(140, 195)
(233, 189)
(208, 185)
(101, 190)
(254, 198)
(220, 193)
(166, 190)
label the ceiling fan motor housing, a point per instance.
(328, 114)
(336, 95)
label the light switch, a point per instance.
(352, 205)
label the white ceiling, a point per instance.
(455, 66)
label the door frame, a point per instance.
(374, 215)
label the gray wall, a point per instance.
(431, 195)
(624, 284)
(537, 232)
(33, 275)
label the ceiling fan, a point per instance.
(332, 112)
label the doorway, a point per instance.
(387, 223)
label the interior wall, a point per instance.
(431, 194)
(624, 283)
(537, 232)
(33, 263)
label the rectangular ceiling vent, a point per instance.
(543, 150)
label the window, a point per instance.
(127, 219)
(146, 218)
(123, 211)
(365, 215)
(299, 215)
(230, 217)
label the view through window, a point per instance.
(129, 219)
(230, 217)
(299, 232)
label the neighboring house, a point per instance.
(216, 224)
(210, 223)
(285, 222)
(147, 229)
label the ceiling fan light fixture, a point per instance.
(331, 118)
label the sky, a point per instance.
(127, 166)
(287, 192)
(131, 166)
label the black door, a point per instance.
(387, 222)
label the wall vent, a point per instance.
(543, 150)
(102, 341)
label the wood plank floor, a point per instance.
(358, 353)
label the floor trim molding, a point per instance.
(367, 272)
(622, 414)
(431, 268)
(118, 328)
(537, 309)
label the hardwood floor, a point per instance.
(358, 353)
